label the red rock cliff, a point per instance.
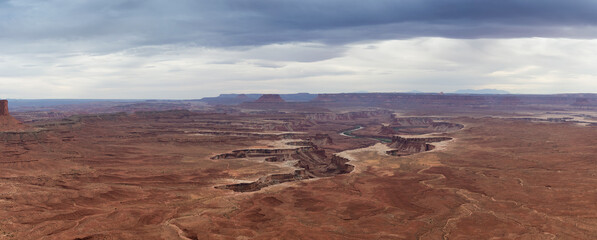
(3, 108)
(7, 122)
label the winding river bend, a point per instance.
(348, 133)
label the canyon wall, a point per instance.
(312, 161)
(332, 116)
(407, 146)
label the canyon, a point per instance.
(332, 166)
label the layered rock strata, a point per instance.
(312, 161)
(407, 146)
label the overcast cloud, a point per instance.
(192, 49)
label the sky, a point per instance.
(188, 49)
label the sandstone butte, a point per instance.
(7, 122)
(3, 107)
(270, 98)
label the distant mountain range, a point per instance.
(233, 99)
(482, 98)
(481, 91)
(469, 91)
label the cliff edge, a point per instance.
(7, 122)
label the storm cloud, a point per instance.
(110, 24)
(71, 47)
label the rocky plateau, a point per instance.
(335, 166)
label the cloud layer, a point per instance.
(530, 65)
(115, 24)
(190, 49)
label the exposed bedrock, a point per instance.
(425, 122)
(266, 181)
(261, 152)
(445, 127)
(7, 122)
(387, 130)
(312, 161)
(300, 143)
(250, 134)
(413, 121)
(407, 146)
(314, 141)
(3, 107)
(319, 164)
(321, 139)
(331, 116)
(17, 137)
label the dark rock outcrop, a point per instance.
(408, 146)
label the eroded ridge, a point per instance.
(312, 162)
(407, 146)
